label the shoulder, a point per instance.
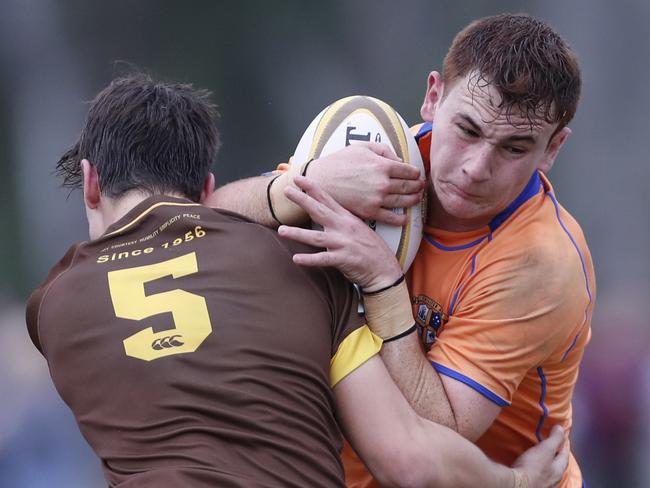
(537, 260)
(259, 237)
(35, 301)
(262, 244)
(546, 237)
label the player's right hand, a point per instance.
(543, 465)
(368, 179)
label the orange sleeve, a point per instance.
(415, 128)
(517, 309)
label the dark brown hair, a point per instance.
(531, 66)
(146, 135)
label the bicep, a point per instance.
(434, 395)
(368, 404)
(377, 421)
(501, 328)
(246, 197)
(474, 412)
(388, 435)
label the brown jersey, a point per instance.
(194, 352)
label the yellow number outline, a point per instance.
(189, 311)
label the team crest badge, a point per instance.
(429, 318)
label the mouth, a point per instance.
(463, 193)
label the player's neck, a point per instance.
(112, 209)
(439, 218)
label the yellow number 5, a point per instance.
(189, 311)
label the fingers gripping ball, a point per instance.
(366, 119)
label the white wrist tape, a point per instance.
(388, 312)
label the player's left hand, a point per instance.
(543, 465)
(349, 244)
(369, 180)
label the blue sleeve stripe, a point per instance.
(452, 306)
(575, 340)
(582, 261)
(473, 265)
(575, 244)
(471, 383)
(453, 300)
(542, 399)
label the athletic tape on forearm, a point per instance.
(282, 209)
(389, 313)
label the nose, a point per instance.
(478, 162)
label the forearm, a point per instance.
(463, 464)
(418, 380)
(246, 197)
(402, 449)
(389, 315)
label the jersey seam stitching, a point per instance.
(45, 294)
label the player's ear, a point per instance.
(432, 97)
(553, 148)
(208, 188)
(92, 193)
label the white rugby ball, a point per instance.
(361, 118)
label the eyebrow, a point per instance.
(512, 138)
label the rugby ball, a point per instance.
(360, 118)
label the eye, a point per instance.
(467, 131)
(515, 151)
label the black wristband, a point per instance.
(268, 198)
(304, 168)
(397, 282)
(403, 334)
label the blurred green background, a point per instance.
(272, 66)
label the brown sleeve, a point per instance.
(35, 300)
(353, 343)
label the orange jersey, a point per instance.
(507, 310)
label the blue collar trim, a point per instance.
(426, 128)
(532, 187)
(442, 247)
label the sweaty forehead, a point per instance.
(482, 102)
